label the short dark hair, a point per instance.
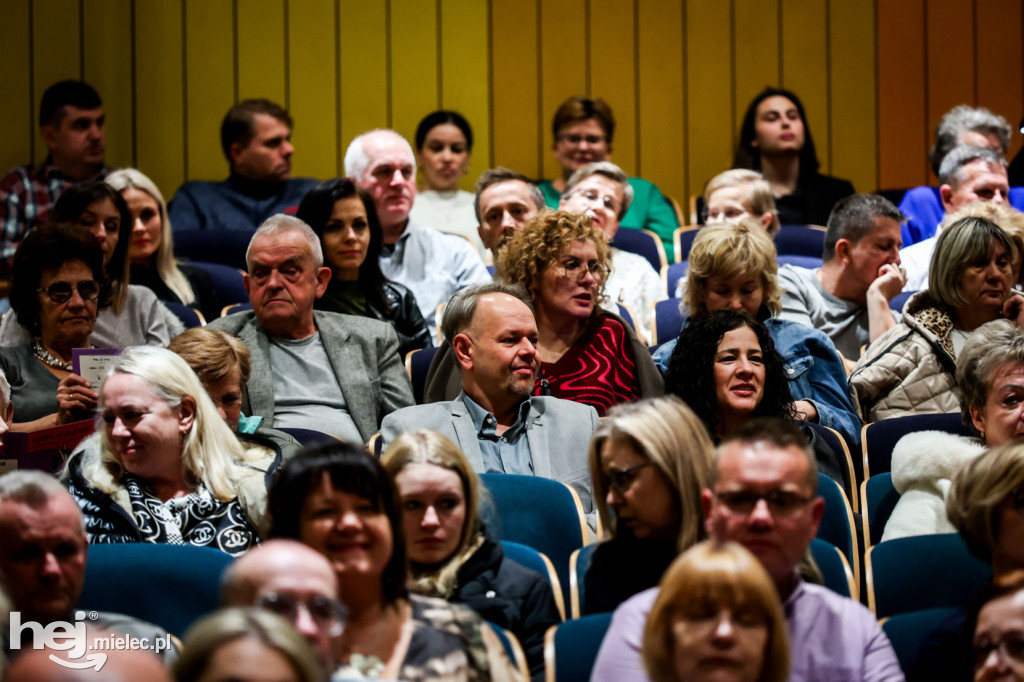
(578, 108)
(461, 307)
(749, 156)
(352, 470)
(500, 174)
(853, 218)
(66, 93)
(779, 433)
(239, 124)
(48, 247)
(432, 120)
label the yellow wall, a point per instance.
(874, 77)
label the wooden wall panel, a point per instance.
(107, 66)
(261, 50)
(19, 115)
(853, 101)
(209, 85)
(756, 54)
(160, 95)
(999, 54)
(805, 64)
(903, 137)
(56, 50)
(415, 72)
(612, 67)
(312, 87)
(709, 127)
(949, 34)
(563, 64)
(515, 87)
(661, 64)
(363, 65)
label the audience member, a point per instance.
(602, 191)
(255, 136)
(848, 297)
(119, 665)
(152, 247)
(58, 286)
(42, 560)
(246, 644)
(452, 555)
(582, 130)
(717, 616)
(961, 125)
(733, 267)
(968, 175)
(740, 193)
(910, 369)
(328, 372)
(444, 143)
(999, 629)
(764, 496)
(344, 218)
(135, 316)
(164, 466)
(988, 378)
(649, 462)
(432, 264)
(337, 499)
(776, 140)
(295, 582)
(71, 122)
(504, 202)
(493, 418)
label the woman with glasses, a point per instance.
(451, 554)
(649, 462)
(998, 644)
(59, 286)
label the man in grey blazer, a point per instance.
(496, 422)
(328, 372)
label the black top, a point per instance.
(813, 200)
(404, 315)
(622, 567)
(198, 279)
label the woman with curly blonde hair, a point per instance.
(587, 355)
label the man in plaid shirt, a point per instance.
(71, 122)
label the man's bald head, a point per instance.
(129, 665)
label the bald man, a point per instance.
(127, 665)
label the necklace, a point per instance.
(47, 358)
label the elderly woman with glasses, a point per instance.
(59, 286)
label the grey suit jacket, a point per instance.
(362, 351)
(559, 436)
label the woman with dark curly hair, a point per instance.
(775, 140)
(343, 216)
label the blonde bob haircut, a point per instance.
(229, 625)
(727, 251)
(1003, 215)
(758, 198)
(210, 452)
(539, 244)
(959, 245)
(424, 446)
(725, 576)
(212, 354)
(675, 440)
(979, 486)
(163, 259)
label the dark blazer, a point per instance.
(363, 353)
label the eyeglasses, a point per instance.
(1011, 648)
(780, 502)
(60, 292)
(621, 480)
(594, 197)
(327, 613)
(724, 215)
(576, 269)
(574, 139)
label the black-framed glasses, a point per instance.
(622, 479)
(780, 502)
(60, 292)
(328, 614)
(1011, 648)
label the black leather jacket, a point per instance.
(405, 317)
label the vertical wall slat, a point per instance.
(756, 53)
(1000, 50)
(414, 67)
(261, 47)
(563, 68)
(19, 115)
(464, 76)
(159, 96)
(709, 131)
(108, 67)
(661, 156)
(853, 75)
(804, 42)
(902, 117)
(210, 86)
(311, 64)
(56, 50)
(514, 87)
(364, 64)
(950, 48)
(612, 76)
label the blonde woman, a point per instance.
(740, 193)
(165, 467)
(649, 462)
(450, 554)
